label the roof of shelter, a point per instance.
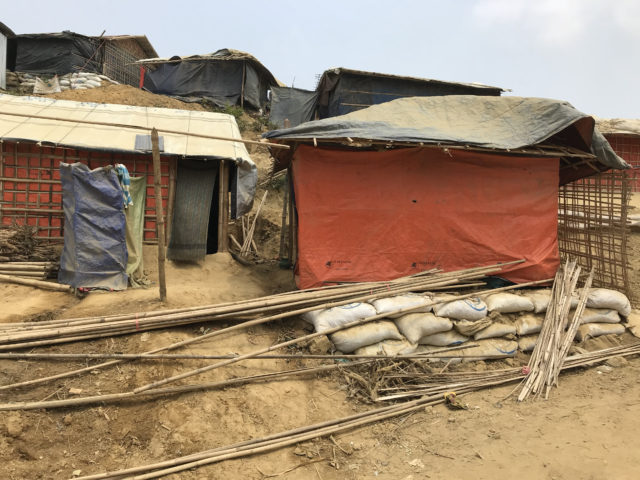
(224, 54)
(21, 119)
(341, 70)
(141, 40)
(619, 126)
(535, 126)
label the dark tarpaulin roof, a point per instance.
(293, 104)
(502, 123)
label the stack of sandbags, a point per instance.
(13, 82)
(499, 324)
(71, 81)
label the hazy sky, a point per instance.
(583, 51)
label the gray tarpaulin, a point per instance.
(294, 104)
(493, 122)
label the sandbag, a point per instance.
(485, 350)
(414, 326)
(443, 339)
(467, 309)
(328, 318)
(389, 305)
(606, 298)
(93, 83)
(599, 315)
(505, 302)
(527, 343)
(541, 299)
(350, 339)
(468, 328)
(528, 324)
(597, 329)
(495, 330)
(388, 347)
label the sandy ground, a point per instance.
(586, 430)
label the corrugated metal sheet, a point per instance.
(64, 132)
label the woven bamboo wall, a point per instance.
(592, 226)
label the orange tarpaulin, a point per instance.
(366, 216)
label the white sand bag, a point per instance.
(388, 347)
(389, 305)
(606, 298)
(466, 309)
(634, 322)
(599, 315)
(495, 330)
(527, 343)
(328, 318)
(597, 329)
(414, 326)
(444, 339)
(490, 348)
(541, 299)
(350, 339)
(468, 328)
(528, 324)
(505, 302)
(47, 86)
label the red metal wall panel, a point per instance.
(31, 192)
(628, 147)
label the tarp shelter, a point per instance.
(624, 136)
(342, 90)
(69, 52)
(33, 147)
(226, 77)
(5, 34)
(293, 104)
(448, 182)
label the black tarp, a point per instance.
(294, 104)
(56, 53)
(343, 91)
(219, 81)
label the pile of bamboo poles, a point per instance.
(35, 270)
(554, 341)
(261, 310)
(462, 383)
(20, 243)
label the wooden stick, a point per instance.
(247, 243)
(35, 283)
(223, 207)
(283, 223)
(157, 188)
(139, 127)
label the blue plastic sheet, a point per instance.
(95, 250)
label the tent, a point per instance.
(292, 104)
(225, 77)
(342, 90)
(436, 182)
(624, 136)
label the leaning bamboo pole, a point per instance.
(35, 283)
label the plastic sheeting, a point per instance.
(95, 250)
(344, 91)
(504, 123)
(134, 215)
(57, 53)
(217, 81)
(366, 216)
(294, 104)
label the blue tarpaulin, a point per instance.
(95, 249)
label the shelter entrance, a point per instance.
(194, 226)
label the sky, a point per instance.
(584, 51)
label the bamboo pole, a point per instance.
(35, 283)
(317, 334)
(246, 247)
(223, 208)
(157, 188)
